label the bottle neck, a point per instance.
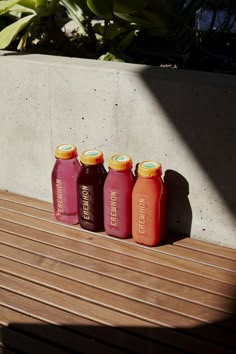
(92, 166)
(149, 179)
(66, 160)
(119, 171)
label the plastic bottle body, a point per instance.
(64, 190)
(117, 203)
(148, 210)
(90, 196)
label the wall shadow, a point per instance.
(203, 115)
(60, 339)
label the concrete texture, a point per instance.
(185, 120)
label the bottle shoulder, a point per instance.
(66, 166)
(91, 174)
(149, 183)
(67, 162)
(120, 174)
(119, 177)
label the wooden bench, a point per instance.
(65, 290)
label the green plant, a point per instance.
(29, 17)
(162, 18)
(136, 29)
(111, 29)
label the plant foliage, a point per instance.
(143, 31)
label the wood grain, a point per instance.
(157, 255)
(63, 289)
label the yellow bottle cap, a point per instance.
(66, 152)
(149, 169)
(91, 157)
(120, 162)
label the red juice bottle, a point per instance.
(148, 205)
(64, 184)
(117, 196)
(90, 190)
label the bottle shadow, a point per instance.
(179, 211)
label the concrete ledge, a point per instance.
(185, 120)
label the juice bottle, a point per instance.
(117, 196)
(90, 190)
(64, 184)
(148, 205)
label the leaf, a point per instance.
(40, 3)
(23, 42)
(125, 17)
(130, 6)
(109, 57)
(83, 6)
(5, 6)
(102, 8)
(10, 32)
(108, 31)
(139, 21)
(21, 9)
(28, 3)
(127, 40)
(76, 14)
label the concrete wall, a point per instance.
(185, 120)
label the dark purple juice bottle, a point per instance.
(64, 184)
(90, 190)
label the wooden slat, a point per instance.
(207, 247)
(165, 272)
(187, 265)
(95, 296)
(57, 336)
(111, 300)
(201, 257)
(27, 201)
(100, 281)
(52, 315)
(112, 271)
(16, 340)
(6, 351)
(187, 242)
(28, 210)
(119, 334)
(128, 298)
(66, 302)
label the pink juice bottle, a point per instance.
(64, 184)
(118, 197)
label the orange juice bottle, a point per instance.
(148, 204)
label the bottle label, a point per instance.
(92, 153)
(65, 147)
(142, 220)
(59, 196)
(85, 205)
(121, 158)
(150, 164)
(113, 210)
